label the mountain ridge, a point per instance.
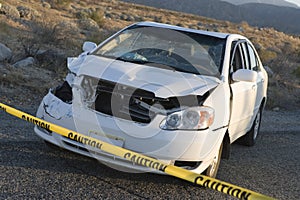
(285, 19)
(270, 2)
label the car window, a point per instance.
(236, 62)
(245, 55)
(253, 59)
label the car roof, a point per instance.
(160, 25)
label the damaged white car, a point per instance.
(175, 94)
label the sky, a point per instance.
(294, 1)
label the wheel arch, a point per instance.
(263, 103)
(226, 146)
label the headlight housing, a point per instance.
(194, 118)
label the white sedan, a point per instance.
(175, 94)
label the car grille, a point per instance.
(131, 103)
(124, 102)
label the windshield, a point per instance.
(166, 48)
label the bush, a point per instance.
(267, 55)
(49, 43)
(59, 4)
(40, 33)
(47, 33)
(4, 27)
(98, 17)
(98, 36)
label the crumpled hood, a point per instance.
(162, 82)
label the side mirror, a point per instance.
(88, 46)
(244, 75)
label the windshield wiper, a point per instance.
(150, 63)
(132, 60)
(153, 64)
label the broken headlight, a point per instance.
(194, 118)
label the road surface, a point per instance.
(29, 169)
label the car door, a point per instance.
(243, 93)
(255, 66)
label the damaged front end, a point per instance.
(160, 127)
(57, 103)
(64, 92)
(56, 107)
(130, 103)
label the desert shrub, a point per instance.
(39, 33)
(95, 37)
(50, 43)
(4, 27)
(59, 4)
(81, 15)
(267, 55)
(98, 16)
(100, 36)
(244, 25)
(45, 32)
(48, 32)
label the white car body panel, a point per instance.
(163, 83)
(243, 94)
(164, 145)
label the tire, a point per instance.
(212, 170)
(251, 136)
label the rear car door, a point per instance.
(255, 66)
(243, 93)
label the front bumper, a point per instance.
(168, 146)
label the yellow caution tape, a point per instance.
(140, 159)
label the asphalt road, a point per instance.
(29, 169)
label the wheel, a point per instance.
(212, 170)
(251, 136)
